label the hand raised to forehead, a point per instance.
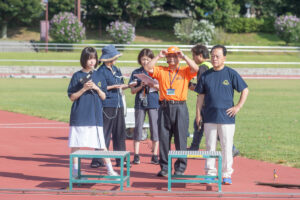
(162, 53)
(180, 54)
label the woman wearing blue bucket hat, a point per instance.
(113, 108)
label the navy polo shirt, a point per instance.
(152, 97)
(218, 87)
(87, 109)
(114, 77)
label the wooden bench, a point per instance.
(122, 155)
(195, 178)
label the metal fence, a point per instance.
(18, 46)
(136, 47)
(135, 62)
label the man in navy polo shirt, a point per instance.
(216, 90)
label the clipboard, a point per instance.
(146, 79)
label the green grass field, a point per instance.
(132, 55)
(151, 36)
(158, 36)
(267, 128)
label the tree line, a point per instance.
(100, 12)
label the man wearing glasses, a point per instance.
(173, 116)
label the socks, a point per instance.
(75, 166)
(109, 167)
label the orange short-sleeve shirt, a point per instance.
(180, 83)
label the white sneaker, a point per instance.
(112, 173)
(75, 175)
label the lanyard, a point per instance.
(171, 82)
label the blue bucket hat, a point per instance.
(109, 53)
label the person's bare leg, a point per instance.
(110, 170)
(136, 146)
(75, 161)
(155, 145)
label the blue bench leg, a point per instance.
(220, 174)
(122, 173)
(169, 172)
(79, 170)
(128, 170)
(70, 178)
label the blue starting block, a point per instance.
(122, 155)
(195, 178)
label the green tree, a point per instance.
(266, 8)
(271, 8)
(217, 11)
(18, 10)
(290, 6)
(102, 11)
(133, 10)
(127, 10)
(57, 6)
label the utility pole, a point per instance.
(47, 23)
(77, 9)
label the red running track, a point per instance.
(34, 161)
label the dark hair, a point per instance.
(86, 54)
(219, 47)
(145, 52)
(201, 49)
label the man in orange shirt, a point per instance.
(173, 116)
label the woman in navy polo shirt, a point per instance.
(113, 108)
(146, 100)
(87, 90)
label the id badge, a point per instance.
(170, 92)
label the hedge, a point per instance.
(248, 25)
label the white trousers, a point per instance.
(225, 133)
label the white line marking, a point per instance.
(11, 124)
(36, 127)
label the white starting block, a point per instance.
(130, 125)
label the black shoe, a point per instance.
(154, 160)
(193, 149)
(136, 159)
(162, 173)
(118, 163)
(235, 152)
(97, 163)
(178, 173)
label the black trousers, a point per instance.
(114, 128)
(173, 119)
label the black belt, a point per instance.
(165, 102)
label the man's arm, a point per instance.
(191, 63)
(235, 109)
(150, 66)
(199, 104)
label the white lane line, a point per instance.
(18, 127)
(16, 124)
(272, 77)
